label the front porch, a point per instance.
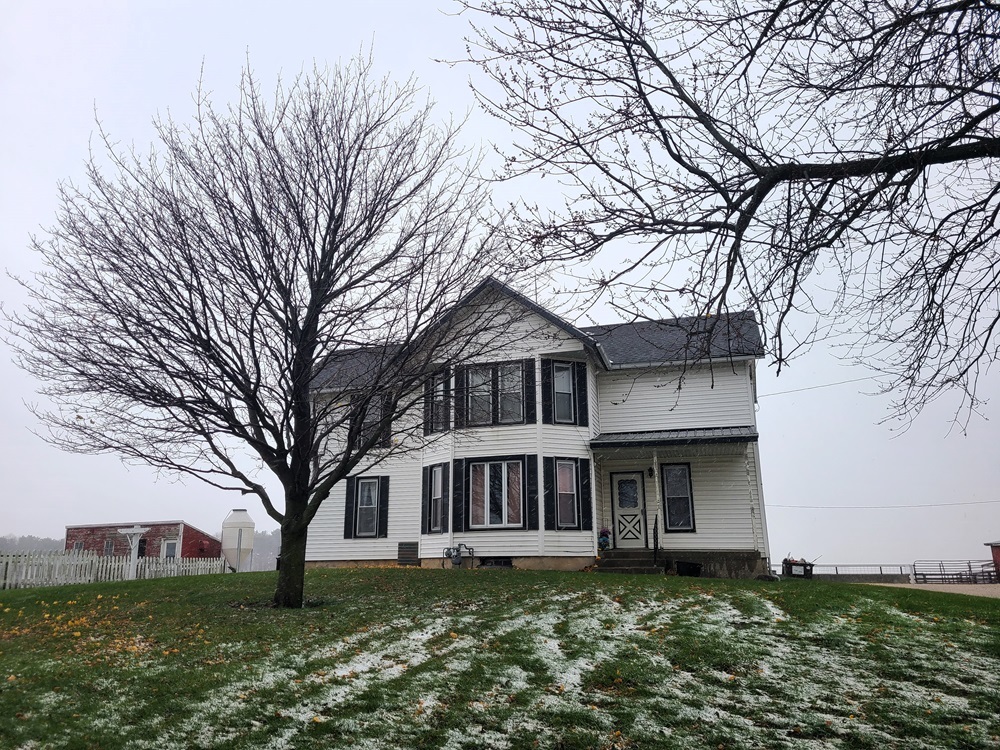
(684, 501)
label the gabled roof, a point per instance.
(641, 343)
(691, 339)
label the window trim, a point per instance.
(690, 499)
(78, 546)
(503, 461)
(109, 548)
(163, 549)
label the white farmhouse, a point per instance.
(647, 429)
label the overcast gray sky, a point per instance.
(62, 61)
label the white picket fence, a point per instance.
(28, 569)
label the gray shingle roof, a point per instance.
(679, 340)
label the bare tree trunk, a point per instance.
(291, 574)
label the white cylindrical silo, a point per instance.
(237, 538)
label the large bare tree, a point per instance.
(262, 292)
(833, 164)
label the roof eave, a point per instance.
(683, 362)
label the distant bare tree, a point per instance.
(835, 159)
(192, 303)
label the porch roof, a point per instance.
(696, 436)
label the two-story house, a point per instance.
(646, 428)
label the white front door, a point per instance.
(629, 501)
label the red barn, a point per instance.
(164, 539)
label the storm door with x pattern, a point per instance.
(629, 502)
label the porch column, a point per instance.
(656, 489)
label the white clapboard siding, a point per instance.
(326, 532)
(515, 543)
(722, 496)
(648, 400)
(594, 396)
(570, 543)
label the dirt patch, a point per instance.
(991, 590)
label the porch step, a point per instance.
(638, 560)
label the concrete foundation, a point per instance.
(715, 563)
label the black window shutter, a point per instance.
(459, 397)
(586, 511)
(531, 494)
(429, 406)
(386, 434)
(444, 498)
(495, 393)
(349, 493)
(530, 410)
(447, 400)
(458, 495)
(546, 391)
(582, 402)
(383, 506)
(549, 491)
(425, 500)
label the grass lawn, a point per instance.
(411, 658)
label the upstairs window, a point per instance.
(371, 416)
(437, 397)
(479, 392)
(502, 393)
(564, 393)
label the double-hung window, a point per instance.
(563, 394)
(496, 494)
(371, 417)
(436, 497)
(510, 393)
(366, 508)
(434, 505)
(566, 494)
(109, 547)
(677, 500)
(479, 392)
(496, 394)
